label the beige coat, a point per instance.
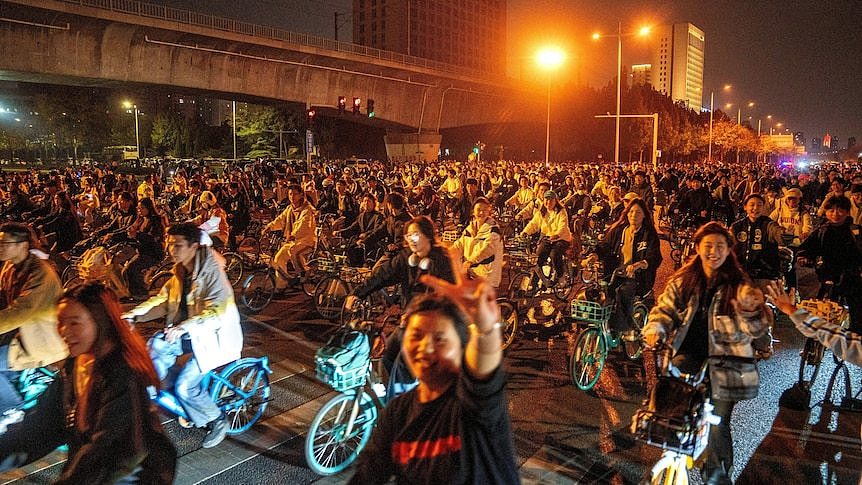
(30, 295)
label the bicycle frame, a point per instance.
(169, 401)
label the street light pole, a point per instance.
(619, 90)
(137, 134)
(548, 124)
(711, 101)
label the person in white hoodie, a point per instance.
(201, 319)
(480, 246)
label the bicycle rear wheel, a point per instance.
(809, 363)
(244, 400)
(339, 432)
(258, 290)
(588, 359)
(329, 297)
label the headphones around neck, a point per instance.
(423, 263)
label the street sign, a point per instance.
(309, 141)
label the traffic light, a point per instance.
(357, 103)
(342, 104)
(309, 115)
(369, 106)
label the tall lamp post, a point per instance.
(132, 106)
(643, 32)
(711, 110)
(549, 58)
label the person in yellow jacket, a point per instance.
(552, 221)
(298, 223)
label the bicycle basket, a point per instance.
(343, 362)
(590, 312)
(673, 418)
(828, 310)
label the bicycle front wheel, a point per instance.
(509, 318)
(258, 290)
(243, 395)
(809, 363)
(233, 267)
(588, 359)
(339, 432)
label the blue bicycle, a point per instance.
(241, 390)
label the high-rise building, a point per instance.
(677, 63)
(640, 74)
(469, 33)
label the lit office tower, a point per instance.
(468, 33)
(677, 63)
(640, 74)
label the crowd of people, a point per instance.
(750, 228)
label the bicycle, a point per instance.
(530, 280)
(593, 307)
(240, 389)
(811, 355)
(676, 417)
(343, 425)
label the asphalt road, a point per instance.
(562, 435)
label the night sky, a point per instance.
(799, 61)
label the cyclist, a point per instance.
(122, 217)
(212, 219)
(298, 223)
(148, 230)
(796, 221)
(455, 424)
(481, 246)
(238, 213)
(757, 240)
(201, 321)
(368, 227)
(696, 203)
(836, 251)
(630, 247)
(706, 295)
(29, 288)
(523, 196)
(114, 434)
(552, 221)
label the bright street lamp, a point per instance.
(642, 32)
(131, 106)
(549, 58)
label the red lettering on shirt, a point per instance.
(404, 451)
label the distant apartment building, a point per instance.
(677, 63)
(640, 74)
(468, 33)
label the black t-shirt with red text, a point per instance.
(463, 436)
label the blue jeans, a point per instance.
(9, 397)
(186, 386)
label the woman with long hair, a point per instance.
(99, 404)
(149, 232)
(630, 248)
(708, 297)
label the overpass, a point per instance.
(116, 42)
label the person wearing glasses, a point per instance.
(421, 255)
(29, 289)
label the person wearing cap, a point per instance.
(552, 222)
(757, 240)
(792, 216)
(212, 219)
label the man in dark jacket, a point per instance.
(368, 226)
(757, 240)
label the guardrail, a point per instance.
(188, 17)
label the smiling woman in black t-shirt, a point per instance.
(454, 427)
